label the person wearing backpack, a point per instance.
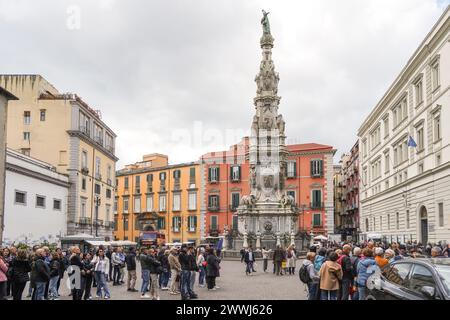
(347, 270)
(330, 274)
(309, 276)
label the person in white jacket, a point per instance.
(101, 270)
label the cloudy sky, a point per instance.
(177, 76)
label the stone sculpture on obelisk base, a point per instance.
(267, 216)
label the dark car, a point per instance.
(411, 279)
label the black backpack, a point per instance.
(304, 274)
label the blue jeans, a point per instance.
(145, 281)
(40, 290)
(186, 283)
(164, 279)
(312, 290)
(53, 287)
(361, 293)
(100, 277)
(328, 294)
(249, 267)
(201, 276)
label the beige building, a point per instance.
(61, 129)
(5, 96)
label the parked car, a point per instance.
(411, 279)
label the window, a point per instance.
(213, 203)
(176, 202)
(292, 194)
(316, 168)
(441, 214)
(418, 88)
(115, 205)
(149, 179)
(291, 170)
(213, 174)
(317, 220)
(161, 223)
(149, 203)
(125, 205)
(387, 162)
(420, 139)
(57, 204)
(235, 200)
(397, 221)
(235, 222)
(97, 168)
(420, 168)
(421, 277)
(176, 224)
(83, 184)
(386, 126)
(115, 224)
(400, 112)
(435, 74)
(381, 223)
(398, 274)
(437, 128)
(42, 115)
(192, 223)
(438, 159)
(162, 176)
(235, 173)
(192, 201)
(176, 174)
(376, 169)
(137, 204)
(108, 174)
(162, 203)
(98, 189)
(367, 224)
(192, 174)
(316, 199)
(364, 148)
(214, 225)
(389, 221)
(125, 224)
(40, 202)
(137, 184)
(26, 117)
(25, 151)
(407, 219)
(108, 193)
(26, 136)
(20, 198)
(375, 137)
(84, 160)
(108, 213)
(83, 208)
(126, 183)
(98, 134)
(84, 123)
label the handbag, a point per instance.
(204, 263)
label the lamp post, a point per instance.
(97, 204)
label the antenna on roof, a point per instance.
(99, 113)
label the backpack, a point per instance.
(304, 274)
(339, 260)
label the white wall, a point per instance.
(37, 224)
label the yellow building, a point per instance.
(63, 130)
(153, 195)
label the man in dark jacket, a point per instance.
(130, 261)
(40, 274)
(185, 262)
(278, 256)
(347, 269)
(193, 267)
(249, 260)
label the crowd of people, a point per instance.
(341, 272)
(284, 260)
(173, 269)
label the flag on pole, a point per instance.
(411, 142)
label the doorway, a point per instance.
(423, 225)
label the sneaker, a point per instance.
(173, 293)
(133, 290)
(156, 298)
(194, 296)
(164, 289)
(107, 298)
(216, 287)
(98, 297)
(145, 296)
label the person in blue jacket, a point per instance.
(365, 268)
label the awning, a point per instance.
(123, 243)
(97, 243)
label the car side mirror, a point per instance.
(427, 291)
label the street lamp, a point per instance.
(97, 204)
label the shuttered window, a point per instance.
(291, 170)
(235, 200)
(317, 168)
(213, 174)
(235, 173)
(316, 199)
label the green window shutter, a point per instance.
(192, 172)
(295, 169)
(231, 173)
(195, 221)
(239, 172)
(321, 167)
(218, 174)
(209, 201)
(312, 168)
(209, 174)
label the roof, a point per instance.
(7, 94)
(126, 172)
(308, 147)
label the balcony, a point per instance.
(192, 229)
(232, 208)
(84, 221)
(99, 223)
(85, 170)
(99, 140)
(110, 148)
(85, 130)
(214, 231)
(213, 208)
(213, 181)
(317, 206)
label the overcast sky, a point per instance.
(177, 76)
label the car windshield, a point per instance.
(444, 272)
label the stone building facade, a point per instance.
(61, 129)
(405, 190)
